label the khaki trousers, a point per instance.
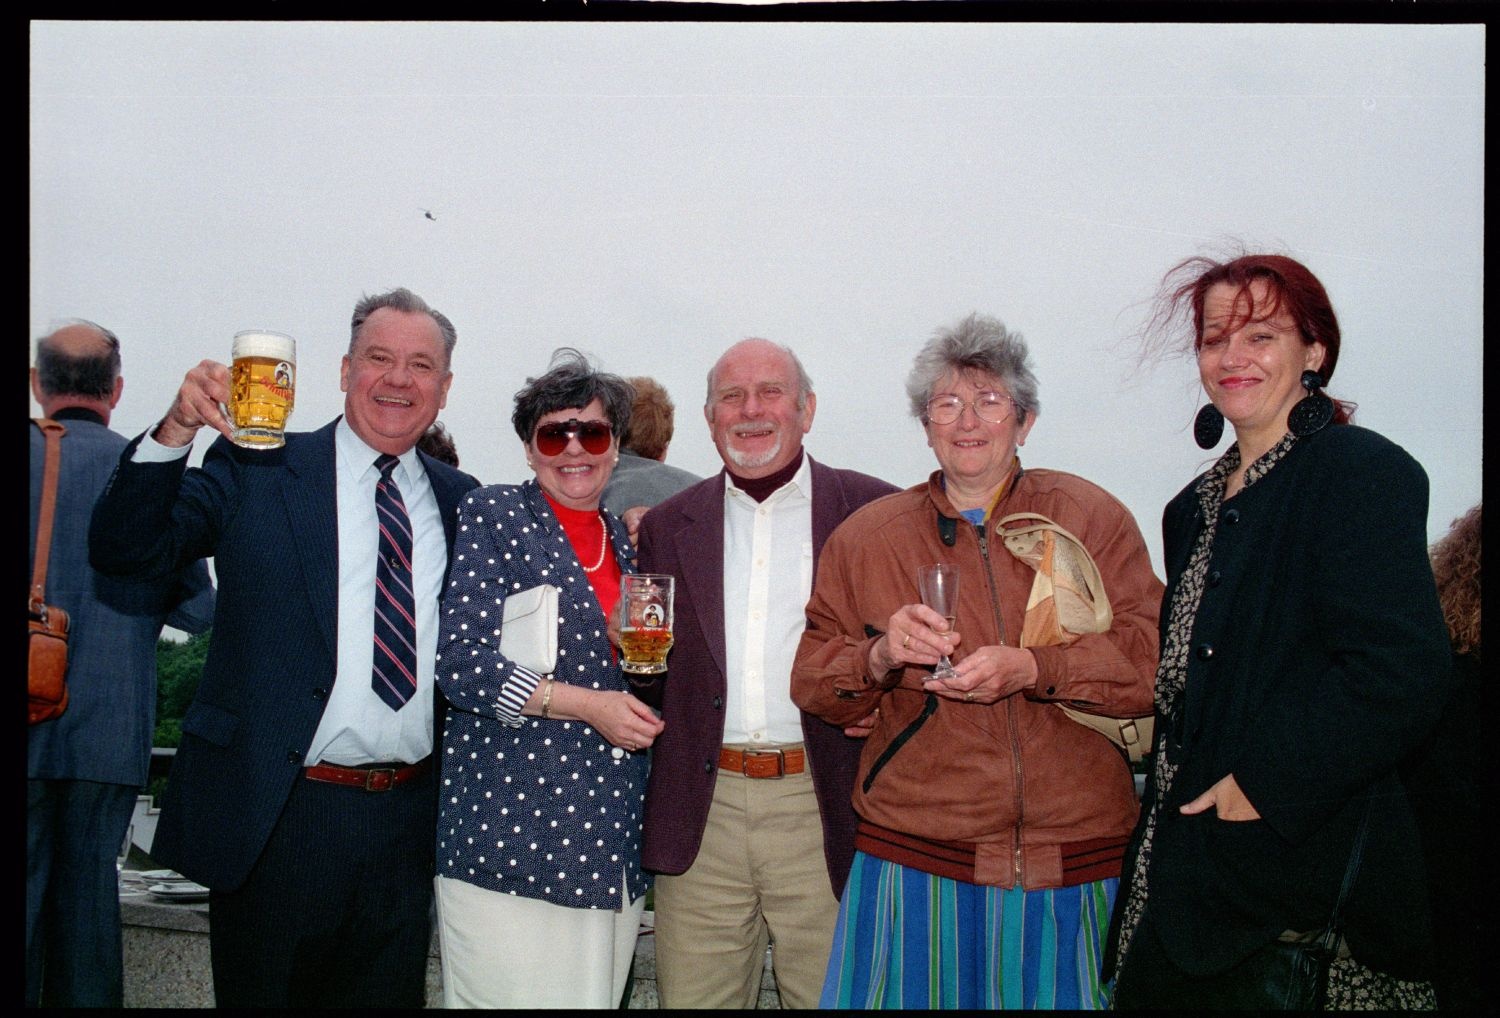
(759, 875)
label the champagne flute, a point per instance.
(939, 586)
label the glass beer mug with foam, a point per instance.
(262, 387)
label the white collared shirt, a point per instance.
(357, 726)
(768, 573)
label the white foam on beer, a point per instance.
(265, 344)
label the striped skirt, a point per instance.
(909, 939)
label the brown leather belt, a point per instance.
(763, 763)
(374, 778)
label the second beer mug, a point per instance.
(646, 627)
(261, 388)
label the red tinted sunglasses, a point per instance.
(553, 438)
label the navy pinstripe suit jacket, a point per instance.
(268, 519)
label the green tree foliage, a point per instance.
(179, 665)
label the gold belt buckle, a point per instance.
(370, 779)
(779, 754)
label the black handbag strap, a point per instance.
(1330, 937)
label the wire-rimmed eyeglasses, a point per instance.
(994, 407)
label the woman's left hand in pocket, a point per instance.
(1228, 801)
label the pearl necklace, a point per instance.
(603, 547)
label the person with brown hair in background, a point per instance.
(1446, 780)
(642, 478)
(437, 443)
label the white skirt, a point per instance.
(504, 951)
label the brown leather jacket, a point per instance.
(1028, 787)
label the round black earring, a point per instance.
(1313, 412)
(1208, 426)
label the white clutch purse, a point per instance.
(528, 629)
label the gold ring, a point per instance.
(906, 642)
(969, 696)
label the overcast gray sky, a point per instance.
(651, 193)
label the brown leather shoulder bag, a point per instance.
(47, 625)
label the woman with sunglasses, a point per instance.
(991, 824)
(539, 886)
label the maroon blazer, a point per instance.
(684, 536)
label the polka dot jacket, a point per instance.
(539, 808)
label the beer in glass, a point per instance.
(262, 383)
(646, 628)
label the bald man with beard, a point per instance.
(748, 818)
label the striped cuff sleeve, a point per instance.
(514, 693)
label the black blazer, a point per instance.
(1318, 658)
(269, 520)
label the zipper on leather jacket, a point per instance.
(928, 709)
(1010, 709)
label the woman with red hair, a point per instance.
(1303, 654)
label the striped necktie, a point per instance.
(395, 673)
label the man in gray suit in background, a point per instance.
(85, 768)
(641, 478)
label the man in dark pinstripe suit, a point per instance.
(304, 802)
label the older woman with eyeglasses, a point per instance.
(992, 825)
(539, 886)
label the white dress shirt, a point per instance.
(768, 573)
(358, 727)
